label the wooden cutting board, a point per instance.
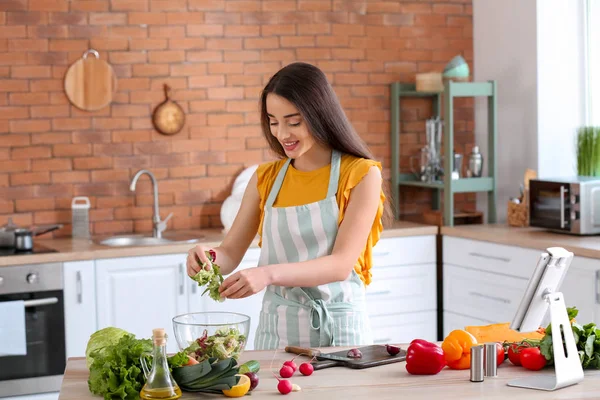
(90, 82)
(372, 356)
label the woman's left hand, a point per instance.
(244, 283)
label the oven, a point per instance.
(565, 205)
(40, 288)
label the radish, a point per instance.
(284, 386)
(306, 369)
(286, 371)
(291, 364)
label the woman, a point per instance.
(318, 212)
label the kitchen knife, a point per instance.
(323, 360)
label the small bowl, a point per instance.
(190, 327)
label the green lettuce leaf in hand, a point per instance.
(212, 279)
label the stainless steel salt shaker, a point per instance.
(475, 162)
(477, 363)
(490, 357)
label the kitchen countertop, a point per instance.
(70, 249)
(536, 238)
(382, 382)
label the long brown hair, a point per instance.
(307, 88)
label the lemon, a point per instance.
(240, 389)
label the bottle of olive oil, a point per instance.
(159, 382)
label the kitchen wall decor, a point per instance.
(168, 117)
(90, 82)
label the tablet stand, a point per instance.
(567, 367)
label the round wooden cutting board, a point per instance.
(90, 82)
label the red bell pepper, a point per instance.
(424, 358)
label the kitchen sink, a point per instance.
(140, 240)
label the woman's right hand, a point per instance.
(197, 259)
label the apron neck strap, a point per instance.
(334, 178)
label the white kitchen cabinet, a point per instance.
(580, 289)
(454, 321)
(249, 306)
(80, 305)
(138, 294)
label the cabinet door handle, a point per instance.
(379, 293)
(598, 287)
(474, 254)
(382, 254)
(194, 287)
(485, 296)
(181, 289)
(79, 287)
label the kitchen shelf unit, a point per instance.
(446, 98)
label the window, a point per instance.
(593, 62)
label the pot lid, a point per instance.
(10, 226)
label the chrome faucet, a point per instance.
(158, 225)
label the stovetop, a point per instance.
(36, 250)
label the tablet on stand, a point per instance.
(542, 293)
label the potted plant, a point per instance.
(588, 151)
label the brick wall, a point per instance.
(216, 55)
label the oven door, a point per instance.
(549, 205)
(41, 370)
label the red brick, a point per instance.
(261, 68)
(129, 5)
(170, 32)
(22, 153)
(168, 160)
(242, 5)
(313, 54)
(14, 113)
(185, 146)
(454, 9)
(207, 81)
(33, 125)
(24, 205)
(187, 172)
(112, 18)
(134, 213)
(91, 137)
(188, 69)
(71, 177)
(88, 31)
(11, 85)
(256, 143)
(146, 97)
(29, 178)
(110, 176)
(30, 71)
(243, 55)
(70, 124)
(130, 32)
(175, 83)
(395, 20)
(90, 5)
(130, 136)
(67, 18)
(205, 30)
(173, 56)
(14, 140)
(170, 5)
(225, 119)
(134, 84)
(111, 123)
(68, 45)
(113, 149)
(125, 110)
(98, 189)
(14, 166)
(108, 227)
(12, 58)
(48, 58)
(48, 31)
(207, 105)
(152, 148)
(205, 56)
(347, 30)
(88, 163)
(277, 30)
(49, 5)
(205, 157)
(333, 41)
(148, 18)
(127, 57)
(315, 5)
(351, 79)
(4, 72)
(354, 102)
(225, 44)
(47, 85)
(14, 5)
(262, 43)
(430, 20)
(242, 30)
(348, 54)
(13, 31)
(151, 70)
(206, 5)
(50, 138)
(185, 18)
(187, 44)
(228, 18)
(71, 150)
(225, 170)
(314, 29)
(147, 44)
(26, 18)
(54, 164)
(225, 93)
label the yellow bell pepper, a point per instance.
(457, 349)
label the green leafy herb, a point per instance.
(225, 343)
(177, 360)
(588, 151)
(212, 279)
(209, 376)
(115, 372)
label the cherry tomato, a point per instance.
(514, 354)
(499, 354)
(532, 359)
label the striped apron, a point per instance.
(333, 314)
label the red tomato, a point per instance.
(514, 354)
(532, 359)
(499, 354)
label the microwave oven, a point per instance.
(569, 205)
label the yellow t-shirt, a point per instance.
(303, 187)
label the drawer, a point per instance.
(483, 295)
(454, 321)
(404, 251)
(402, 289)
(492, 257)
(403, 328)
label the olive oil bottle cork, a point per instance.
(159, 336)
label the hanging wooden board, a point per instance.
(90, 82)
(168, 117)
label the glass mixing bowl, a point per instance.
(220, 334)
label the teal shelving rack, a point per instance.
(448, 186)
